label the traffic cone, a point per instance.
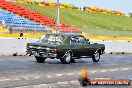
(84, 74)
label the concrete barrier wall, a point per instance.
(18, 46)
(14, 46)
(116, 46)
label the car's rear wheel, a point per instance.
(96, 56)
(66, 59)
(40, 59)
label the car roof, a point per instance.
(65, 34)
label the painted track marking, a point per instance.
(70, 74)
(125, 68)
(49, 76)
(114, 69)
(103, 71)
(93, 71)
(59, 75)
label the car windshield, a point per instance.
(49, 38)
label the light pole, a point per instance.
(57, 15)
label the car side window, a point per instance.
(78, 40)
(82, 40)
(73, 40)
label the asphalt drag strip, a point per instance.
(25, 72)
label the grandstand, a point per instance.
(20, 23)
(104, 11)
(25, 13)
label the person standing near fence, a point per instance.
(3, 24)
(11, 29)
(21, 33)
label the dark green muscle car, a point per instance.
(64, 46)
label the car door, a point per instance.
(85, 45)
(76, 47)
(89, 49)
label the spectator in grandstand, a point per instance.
(130, 14)
(10, 29)
(115, 12)
(84, 8)
(21, 33)
(3, 24)
(81, 9)
(26, 1)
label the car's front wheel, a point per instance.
(40, 59)
(66, 59)
(96, 56)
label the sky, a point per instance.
(120, 5)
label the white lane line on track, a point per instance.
(5, 80)
(49, 76)
(70, 74)
(59, 74)
(74, 81)
(93, 71)
(125, 69)
(103, 71)
(36, 77)
(114, 69)
(63, 83)
(79, 73)
(9, 79)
